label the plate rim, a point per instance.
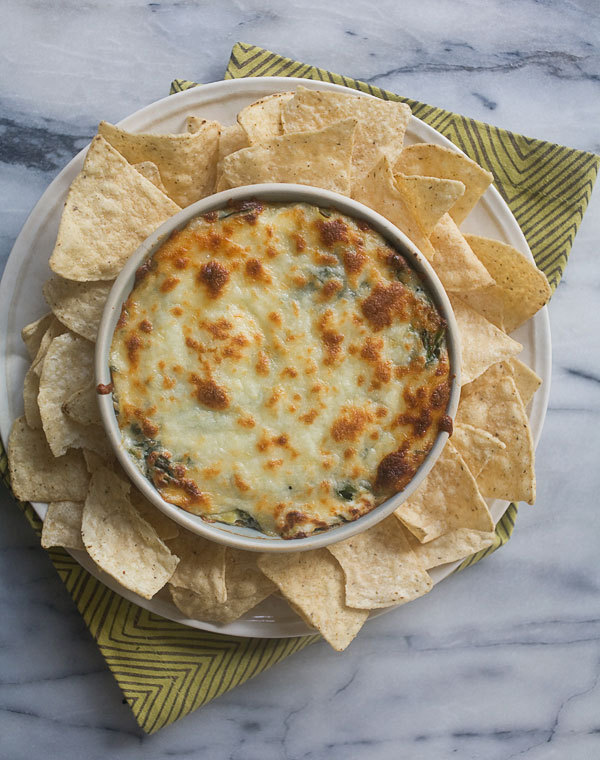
(200, 96)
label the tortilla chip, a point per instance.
(428, 197)
(445, 163)
(186, 162)
(381, 123)
(452, 546)
(525, 378)
(31, 388)
(262, 120)
(454, 262)
(165, 528)
(94, 461)
(201, 568)
(521, 289)
(378, 191)
(447, 499)
(62, 525)
(313, 583)
(476, 446)
(36, 475)
(493, 403)
(68, 366)
(232, 139)
(380, 567)
(55, 328)
(246, 587)
(82, 405)
(109, 211)
(481, 344)
(78, 305)
(119, 541)
(149, 170)
(33, 333)
(320, 159)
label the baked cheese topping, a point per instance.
(279, 366)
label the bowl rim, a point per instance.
(234, 536)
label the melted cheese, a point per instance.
(279, 366)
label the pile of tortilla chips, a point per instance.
(130, 184)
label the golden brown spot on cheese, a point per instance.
(335, 231)
(181, 262)
(103, 389)
(349, 453)
(211, 471)
(146, 326)
(133, 343)
(272, 252)
(218, 329)
(168, 382)
(325, 259)
(278, 392)
(262, 365)
(273, 464)
(440, 395)
(372, 349)
(240, 482)
(381, 412)
(299, 279)
(300, 242)
(122, 321)
(353, 261)
(309, 417)
(275, 317)
(420, 422)
(394, 471)
(192, 343)
(384, 303)
(149, 428)
(383, 372)
(331, 287)
(445, 424)
(349, 425)
(247, 421)
(169, 284)
(289, 372)
(215, 276)
(176, 311)
(142, 271)
(209, 393)
(281, 440)
(255, 269)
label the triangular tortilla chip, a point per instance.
(447, 499)
(232, 139)
(36, 475)
(320, 159)
(492, 402)
(525, 378)
(62, 525)
(454, 545)
(78, 305)
(202, 566)
(119, 541)
(476, 446)
(262, 120)
(33, 333)
(68, 366)
(380, 567)
(428, 197)
(521, 289)
(437, 161)
(31, 389)
(187, 162)
(378, 191)
(314, 584)
(246, 587)
(381, 123)
(454, 262)
(481, 343)
(109, 211)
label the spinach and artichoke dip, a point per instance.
(279, 366)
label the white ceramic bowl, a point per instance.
(231, 535)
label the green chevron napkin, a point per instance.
(167, 670)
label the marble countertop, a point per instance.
(498, 662)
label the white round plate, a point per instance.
(21, 302)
